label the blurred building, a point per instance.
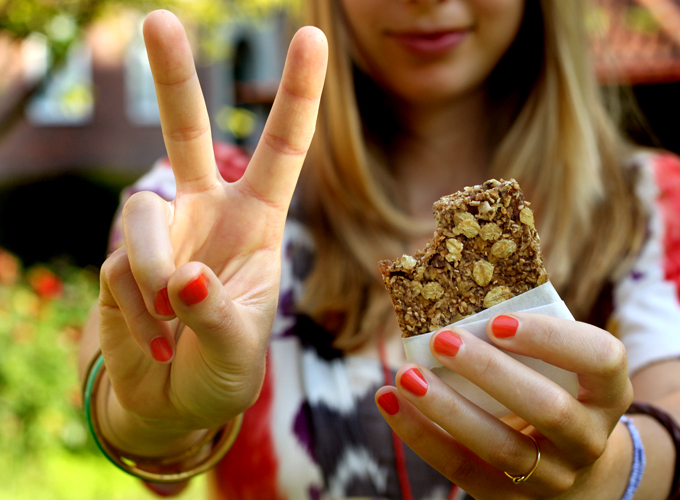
(636, 41)
(100, 112)
(96, 126)
(637, 47)
(98, 116)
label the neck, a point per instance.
(442, 149)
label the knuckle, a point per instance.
(282, 146)
(553, 332)
(559, 413)
(148, 267)
(562, 483)
(627, 396)
(298, 92)
(490, 365)
(137, 202)
(457, 469)
(189, 133)
(613, 360)
(593, 449)
(509, 457)
(412, 434)
(216, 319)
(115, 267)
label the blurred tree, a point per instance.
(63, 22)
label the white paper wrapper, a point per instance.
(540, 300)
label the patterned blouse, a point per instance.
(315, 432)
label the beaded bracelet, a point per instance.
(672, 427)
(155, 470)
(639, 461)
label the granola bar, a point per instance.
(485, 250)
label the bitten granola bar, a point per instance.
(485, 250)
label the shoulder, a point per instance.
(647, 298)
(658, 176)
(658, 188)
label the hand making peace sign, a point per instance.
(216, 247)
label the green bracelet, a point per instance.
(166, 469)
(92, 378)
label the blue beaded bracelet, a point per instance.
(639, 460)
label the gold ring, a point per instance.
(521, 479)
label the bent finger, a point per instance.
(146, 222)
(184, 116)
(277, 161)
(597, 357)
(440, 449)
(203, 304)
(122, 310)
(538, 400)
(486, 436)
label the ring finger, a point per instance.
(487, 437)
(466, 457)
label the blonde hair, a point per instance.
(560, 144)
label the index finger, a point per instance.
(274, 169)
(596, 356)
(184, 116)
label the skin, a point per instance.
(231, 233)
(488, 27)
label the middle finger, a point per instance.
(535, 398)
(184, 116)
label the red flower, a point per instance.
(45, 283)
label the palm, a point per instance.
(231, 232)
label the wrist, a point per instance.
(136, 436)
(656, 482)
(198, 458)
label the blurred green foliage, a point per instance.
(42, 312)
(46, 452)
(640, 19)
(62, 21)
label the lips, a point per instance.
(433, 43)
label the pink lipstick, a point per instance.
(437, 43)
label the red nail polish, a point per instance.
(389, 403)
(195, 291)
(447, 343)
(414, 382)
(161, 349)
(163, 306)
(504, 326)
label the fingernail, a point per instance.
(161, 349)
(447, 343)
(389, 403)
(504, 326)
(414, 382)
(195, 291)
(163, 306)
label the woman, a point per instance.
(423, 98)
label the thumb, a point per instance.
(227, 339)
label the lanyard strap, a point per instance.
(397, 443)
